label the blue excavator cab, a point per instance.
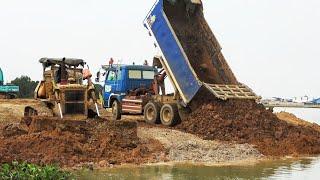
(7, 91)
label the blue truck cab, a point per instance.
(120, 79)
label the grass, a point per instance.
(26, 171)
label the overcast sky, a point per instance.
(271, 45)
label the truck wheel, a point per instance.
(169, 115)
(152, 113)
(116, 110)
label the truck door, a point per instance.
(112, 85)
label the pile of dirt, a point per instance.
(199, 43)
(72, 143)
(245, 121)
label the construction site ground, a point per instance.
(104, 143)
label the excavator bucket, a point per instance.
(192, 54)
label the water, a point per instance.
(281, 169)
(296, 169)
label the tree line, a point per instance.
(26, 85)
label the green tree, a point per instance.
(27, 86)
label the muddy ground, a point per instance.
(217, 133)
(103, 143)
(187, 147)
(73, 143)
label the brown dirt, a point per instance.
(291, 118)
(199, 43)
(70, 143)
(247, 122)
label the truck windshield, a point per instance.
(111, 76)
(148, 74)
(114, 75)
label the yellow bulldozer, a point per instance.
(66, 91)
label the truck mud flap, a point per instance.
(225, 92)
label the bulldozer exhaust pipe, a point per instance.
(59, 106)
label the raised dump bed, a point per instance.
(191, 53)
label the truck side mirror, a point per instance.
(98, 77)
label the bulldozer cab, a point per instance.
(63, 71)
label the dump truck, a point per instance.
(124, 86)
(7, 91)
(62, 93)
(190, 56)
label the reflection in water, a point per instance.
(293, 169)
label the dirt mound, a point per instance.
(247, 122)
(198, 41)
(72, 143)
(291, 118)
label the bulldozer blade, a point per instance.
(39, 124)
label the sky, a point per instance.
(271, 45)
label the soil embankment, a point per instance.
(244, 121)
(291, 118)
(72, 143)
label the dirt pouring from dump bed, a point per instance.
(70, 143)
(245, 121)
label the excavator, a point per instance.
(7, 91)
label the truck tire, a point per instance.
(169, 115)
(152, 113)
(116, 110)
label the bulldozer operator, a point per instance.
(62, 74)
